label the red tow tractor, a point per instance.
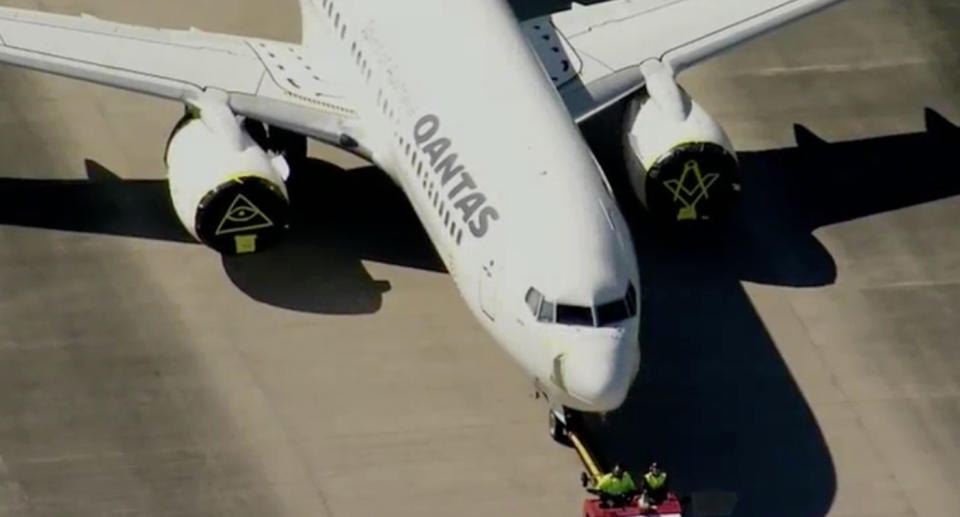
(636, 507)
(669, 508)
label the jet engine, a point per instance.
(227, 191)
(681, 163)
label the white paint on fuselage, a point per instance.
(529, 208)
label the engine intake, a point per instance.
(244, 215)
(692, 182)
(227, 191)
(682, 166)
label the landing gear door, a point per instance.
(489, 294)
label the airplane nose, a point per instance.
(600, 376)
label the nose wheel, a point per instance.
(558, 427)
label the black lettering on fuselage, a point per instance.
(448, 168)
(469, 204)
(426, 128)
(436, 149)
(481, 224)
(465, 182)
(465, 195)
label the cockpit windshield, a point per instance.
(612, 312)
(546, 313)
(603, 315)
(575, 315)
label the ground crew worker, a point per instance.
(615, 488)
(654, 486)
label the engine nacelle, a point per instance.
(682, 166)
(227, 191)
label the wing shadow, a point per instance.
(339, 218)
(715, 401)
(790, 193)
(102, 204)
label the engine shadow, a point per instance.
(715, 402)
(338, 218)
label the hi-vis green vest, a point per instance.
(613, 486)
(655, 482)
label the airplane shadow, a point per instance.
(714, 402)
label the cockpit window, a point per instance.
(533, 300)
(546, 312)
(574, 315)
(612, 312)
(632, 300)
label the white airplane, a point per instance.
(474, 115)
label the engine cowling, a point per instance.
(227, 191)
(681, 163)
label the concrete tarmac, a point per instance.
(803, 362)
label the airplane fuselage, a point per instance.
(474, 132)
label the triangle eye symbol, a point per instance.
(243, 216)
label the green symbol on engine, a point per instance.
(692, 187)
(243, 216)
(245, 244)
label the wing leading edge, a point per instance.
(272, 81)
(594, 53)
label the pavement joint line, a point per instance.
(910, 284)
(833, 68)
(864, 430)
(309, 473)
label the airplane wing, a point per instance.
(594, 53)
(268, 80)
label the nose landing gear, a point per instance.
(567, 429)
(558, 426)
